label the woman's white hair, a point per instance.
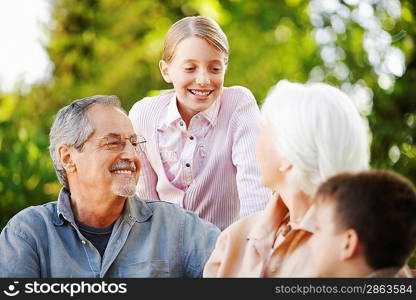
(318, 130)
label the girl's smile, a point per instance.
(200, 94)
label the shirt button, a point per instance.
(191, 137)
(180, 123)
(188, 165)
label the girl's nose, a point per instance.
(203, 78)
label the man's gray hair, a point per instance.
(72, 128)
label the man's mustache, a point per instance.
(122, 164)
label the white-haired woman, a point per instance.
(309, 133)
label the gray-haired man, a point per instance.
(98, 227)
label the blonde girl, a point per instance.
(200, 137)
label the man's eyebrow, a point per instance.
(112, 134)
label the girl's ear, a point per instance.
(164, 70)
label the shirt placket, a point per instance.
(91, 253)
(117, 240)
(187, 156)
(271, 266)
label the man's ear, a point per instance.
(164, 70)
(350, 244)
(66, 158)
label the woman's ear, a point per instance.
(66, 159)
(164, 70)
(285, 166)
(350, 244)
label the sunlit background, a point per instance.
(23, 32)
(25, 24)
(55, 51)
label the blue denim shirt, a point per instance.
(150, 239)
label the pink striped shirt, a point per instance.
(209, 167)
(182, 149)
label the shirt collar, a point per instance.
(272, 216)
(308, 222)
(387, 272)
(63, 208)
(173, 115)
(211, 113)
(135, 210)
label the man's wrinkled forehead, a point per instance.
(107, 119)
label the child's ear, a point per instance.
(163, 66)
(350, 244)
(65, 158)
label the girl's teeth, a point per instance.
(201, 93)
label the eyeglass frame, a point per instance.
(139, 147)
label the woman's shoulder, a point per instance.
(243, 226)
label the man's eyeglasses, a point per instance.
(117, 143)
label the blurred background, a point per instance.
(55, 51)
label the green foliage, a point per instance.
(113, 47)
(26, 171)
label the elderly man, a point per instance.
(99, 227)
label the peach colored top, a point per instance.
(253, 246)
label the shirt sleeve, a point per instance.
(146, 186)
(18, 257)
(199, 240)
(245, 124)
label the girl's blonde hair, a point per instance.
(200, 26)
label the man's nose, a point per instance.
(130, 151)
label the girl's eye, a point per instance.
(216, 69)
(189, 68)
